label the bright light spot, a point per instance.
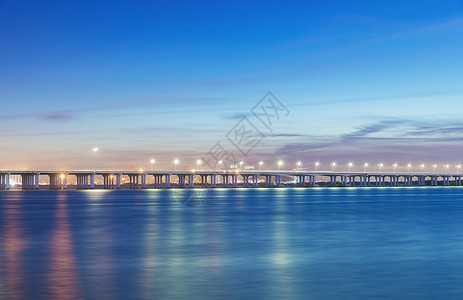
(95, 149)
(62, 176)
(280, 163)
(176, 161)
(198, 161)
(152, 161)
(141, 170)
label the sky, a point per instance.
(362, 81)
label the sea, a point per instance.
(255, 243)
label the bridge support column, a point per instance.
(55, 181)
(234, 181)
(143, 181)
(118, 181)
(181, 181)
(2, 181)
(36, 181)
(28, 181)
(333, 180)
(203, 181)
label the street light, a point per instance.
(434, 168)
(94, 150)
(260, 165)
(408, 167)
(458, 168)
(350, 165)
(279, 163)
(333, 164)
(220, 164)
(152, 161)
(422, 167)
(380, 165)
(447, 168)
(176, 162)
(395, 167)
(365, 166)
(241, 163)
(316, 165)
(198, 163)
(298, 164)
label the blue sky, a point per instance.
(364, 81)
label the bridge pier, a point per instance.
(458, 181)
(333, 180)
(108, 181)
(29, 181)
(245, 180)
(82, 181)
(55, 181)
(5, 181)
(133, 181)
(118, 181)
(181, 181)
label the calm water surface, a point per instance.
(339, 243)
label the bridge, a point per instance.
(110, 179)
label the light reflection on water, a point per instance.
(62, 276)
(256, 243)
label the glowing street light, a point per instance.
(220, 162)
(260, 165)
(333, 164)
(446, 168)
(365, 167)
(316, 165)
(395, 167)
(458, 168)
(298, 164)
(350, 165)
(152, 161)
(94, 150)
(434, 168)
(422, 167)
(198, 163)
(408, 167)
(380, 165)
(176, 162)
(279, 163)
(241, 164)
